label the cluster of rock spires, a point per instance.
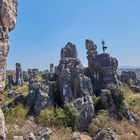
(8, 13)
(130, 78)
(68, 82)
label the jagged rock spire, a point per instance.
(8, 14)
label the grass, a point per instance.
(132, 98)
(123, 128)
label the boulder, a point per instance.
(106, 134)
(18, 137)
(44, 133)
(30, 136)
(2, 126)
(76, 136)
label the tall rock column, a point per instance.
(19, 74)
(8, 14)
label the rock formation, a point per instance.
(71, 81)
(106, 134)
(127, 76)
(73, 85)
(25, 76)
(8, 14)
(130, 78)
(39, 96)
(2, 126)
(19, 74)
(10, 79)
(101, 67)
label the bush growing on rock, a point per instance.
(51, 117)
(72, 116)
(67, 117)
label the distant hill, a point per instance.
(129, 67)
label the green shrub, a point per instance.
(45, 117)
(67, 117)
(99, 104)
(72, 116)
(18, 112)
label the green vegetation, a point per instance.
(67, 117)
(123, 128)
(132, 98)
(63, 121)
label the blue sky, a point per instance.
(45, 26)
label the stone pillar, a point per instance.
(8, 13)
(51, 67)
(19, 74)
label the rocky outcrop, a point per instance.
(30, 136)
(10, 80)
(102, 68)
(2, 126)
(71, 81)
(19, 74)
(73, 85)
(130, 78)
(18, 138)
(44, 134)
(127, 76)
(86, 109)
(38, 97)
(8, 13)
(25, 76)
(106, 134)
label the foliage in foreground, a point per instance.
(123, 128)
(67, 117)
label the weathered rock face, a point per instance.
(10, 81)
(106, 134)
(2, 126)
(38, 97)
(130, 78)
(8, 13)
(86, 109)
(102, 67)
(19, 74)
(71, 81)
(73, 85)
(126, 76)
(25, 76)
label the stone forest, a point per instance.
(68, 101)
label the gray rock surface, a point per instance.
(76, 136)
(30, 136)
(106, 134)
(18, 138)
(71, 81)
(127, 76)
(38, 97)
(44, 134)
(130, 78)
(2, 126)
(19, 74)
(102, 67)
(86, 108)
(8, 13)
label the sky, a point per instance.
(45, 26)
